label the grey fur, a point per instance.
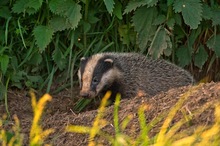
(139, 74)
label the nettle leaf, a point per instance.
(201, 57)
(20, 6)
(216, 17)
(59, 58)
(207, 12)
(214, 44)
(74, 15)
(118, 10)
(36, 59)
(29, 6)
(142, 21)
(59, 23)
(5, 12)
(191, 11)
(109, 5)
(133, 5)
(159, 43)
(43, 36)
(184, 55)
(159, 20)
(69, 9)
(35, 4)
(4, 60)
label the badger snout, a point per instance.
(87, 94)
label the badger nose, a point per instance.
(84, 94)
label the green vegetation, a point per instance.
(42, 40)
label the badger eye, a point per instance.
(95, 80)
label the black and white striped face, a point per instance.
(96, 74)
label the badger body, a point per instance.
(129, 74)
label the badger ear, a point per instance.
(83, 59)
(109, 61)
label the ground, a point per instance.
(59, 112)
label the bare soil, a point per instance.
(59, 112)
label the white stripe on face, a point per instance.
(88, 73)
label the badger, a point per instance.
(130, 74)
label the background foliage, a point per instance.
(43, 39)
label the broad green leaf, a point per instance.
(74, 15)
(29, 6)
(35, 78)
(4, 60)
(159, 43)
(170, 2)
(216, 17)
(68, 9)
(59, 59)
(133, 5)
(170, 23)
(35, 4)
(214, 44)
(59, 23)
(109, 5)
(201, 57)
(43, 36)
(191, 11)
(207, 12)
(5, 12)
(35, 59)
(142, 21)
(20, 6)
(160, 19)
(184, 55)
(118, 10)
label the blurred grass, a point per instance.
(169, 134)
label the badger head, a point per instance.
(96, 75)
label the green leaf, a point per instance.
(109, 5)
(4, 60)
(118, 10)
(216, 17)
(170, 2)
(59, 23)
(59, 59)
(214, 44)
(191, 11)
(35, 4)
(43, 36)
(20, 6)
(133, 5)
(184, 55)
(68, 9)
(36, 59)
(143, 25)
(207, 12)
(159, 43)
(74, 15)
(29, 6)
(170, 23)
(159, 20)
(5, 12)
(201, 57)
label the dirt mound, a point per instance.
(58, 113)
